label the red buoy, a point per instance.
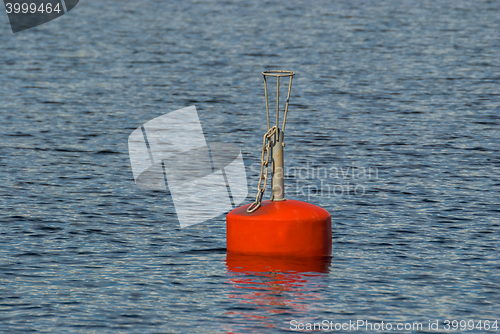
(288, 227)
(279, 227)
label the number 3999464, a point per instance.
(31, 8)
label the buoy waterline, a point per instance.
(278, 227)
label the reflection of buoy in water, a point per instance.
(261, 287)
(279, 226)
(248, 263)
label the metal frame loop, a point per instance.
(278, 140)
(278, 74)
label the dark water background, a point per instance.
(407, 88)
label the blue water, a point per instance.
(408, 90)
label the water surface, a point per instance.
(408, 89)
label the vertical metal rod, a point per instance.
(287, 101)
(267, 104)
(278, 104)
(278, 177)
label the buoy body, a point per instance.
(280, 228)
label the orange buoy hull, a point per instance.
(281, 228)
